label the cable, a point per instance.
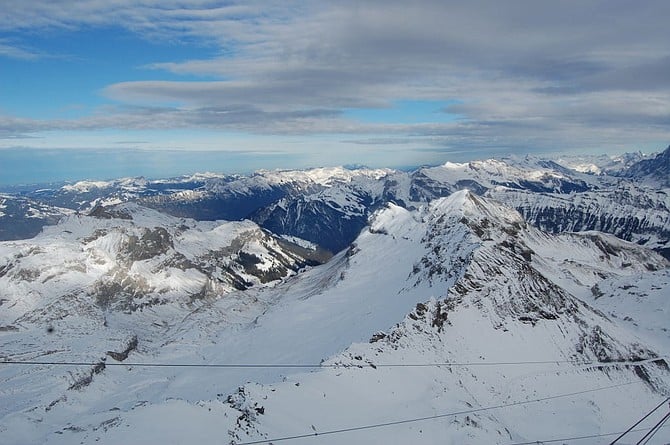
(393, 365)
(164, 365)
(436, 416)
(653, 430)
(639, 421)
(320, 365)
(564, 439)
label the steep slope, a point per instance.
(556, 198)
(654, 171)
(225, 198)
(328, 206)
(627, 211)
(509, 307)
(502, 292)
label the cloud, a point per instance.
(13, 51)
(537, 75)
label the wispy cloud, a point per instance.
(11, 50)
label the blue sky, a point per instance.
(224, 86)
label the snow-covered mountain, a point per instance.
(330, 206)
(627, 211)
(522, 296)
(557, 199)
(132, 258)
(456, 306)
(601, 164)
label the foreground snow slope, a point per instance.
(305, 319)
(463, 281)
(96, 288)
(510, 305)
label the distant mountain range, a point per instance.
(331, 206)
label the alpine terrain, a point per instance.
(508, 301)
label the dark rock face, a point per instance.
(109, 213)
(130, 346)
(22, 217)
(625, 210)
(424, 189)
(212, 207)
(153, 242)
(656, 169)
(554, 185)
(323, 222)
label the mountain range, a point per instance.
(491, 302)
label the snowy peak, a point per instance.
(529, 173)
(545, 275)
(327, 176)
(478, 207)
(478, 213)
(330, 206)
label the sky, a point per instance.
(106, 88)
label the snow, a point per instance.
(462, 280)
(587, 168)
(642, 302)
(196, 177)
(324, 176)
(601, 164)
(493, 172)
(626, 210)
(329, 308)
(349, 397)
(86, 186)
(300, 242)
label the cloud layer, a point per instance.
(527, 75)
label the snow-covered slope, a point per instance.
(132, 257)
(512, 314)
(307, 319)
(510, 307)
(602, 164)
